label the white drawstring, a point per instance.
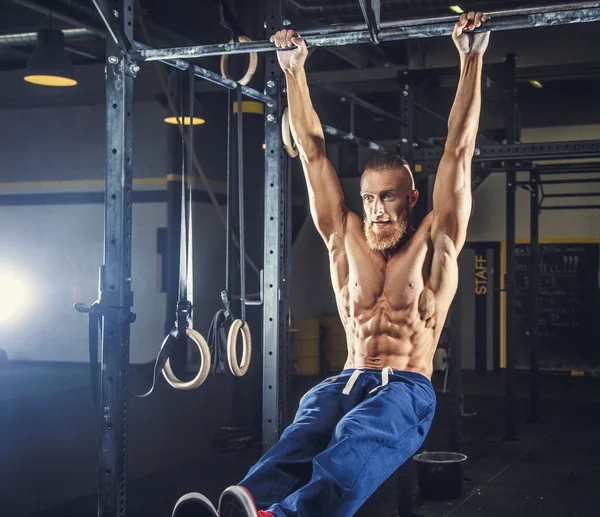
(351, 381)
(385, 378)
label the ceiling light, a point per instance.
(50, 65)
(456, 9)
(536, 84)
(196, 121)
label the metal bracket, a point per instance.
(184, 316)
(129, 67)
(262, 291)
(119, 316)
(115, 29)
(371, 10)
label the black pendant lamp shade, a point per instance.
(50, 65)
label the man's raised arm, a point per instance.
(326, 198)
(452, 189)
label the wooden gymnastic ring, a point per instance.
(252, 65)
(202, 374)
(289, 144)
(239, 369)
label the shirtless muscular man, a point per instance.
(393, 286)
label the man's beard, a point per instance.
(389, 237)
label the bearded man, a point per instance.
(393, 286)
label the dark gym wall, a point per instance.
(51, 213)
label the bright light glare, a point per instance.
(456, 9)
(13, 295)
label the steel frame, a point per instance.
(397, 30)
(116, 297)
(429, 158)
(274, 311)
(510, 278)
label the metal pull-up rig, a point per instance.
(123, 56)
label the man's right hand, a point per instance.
(290, 60)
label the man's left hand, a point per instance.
(468, 42)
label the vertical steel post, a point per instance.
(406, 113)
(534, 295)
(274, 310)
(404, 147)
(510, 280)
(116, 296)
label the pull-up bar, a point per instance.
(332, 29)
(562, 14)
(211, 76)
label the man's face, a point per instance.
(387, 197)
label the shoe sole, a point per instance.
(194, 496)
(243, 497)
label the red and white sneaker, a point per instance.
(194, 505)
(236, 501)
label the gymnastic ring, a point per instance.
(289, 144)
(239, 369)
(252, 65)
(202, 374)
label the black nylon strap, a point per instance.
(229, 198)
(183, 233)
(217, 342)
(95, 327)
(165, 351)
(241, 212)
(183, 319)
(189, 167)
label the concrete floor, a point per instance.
(552, 470)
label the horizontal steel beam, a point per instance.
(346, 27)
(23, 39)
(564, 182)
(573, 194)
(401, 30)
(351, 138)
(567, 168)
(359, 102)
(202, 73)
(571, 207)
(429, 158)
(434, 114)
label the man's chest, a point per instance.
(396, 282)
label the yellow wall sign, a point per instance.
(481, 275)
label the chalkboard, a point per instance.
(568, 307)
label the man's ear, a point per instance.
(413, 198)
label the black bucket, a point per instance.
(440, 475)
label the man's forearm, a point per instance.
(463, 122)
(304, 121)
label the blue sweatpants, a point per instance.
(341, 447)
